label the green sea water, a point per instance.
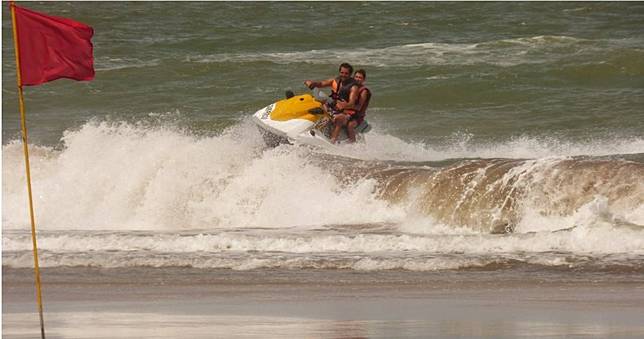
(505, 134)
(489, 71)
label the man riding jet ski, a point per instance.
(318, 119)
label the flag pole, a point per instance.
(23, 125)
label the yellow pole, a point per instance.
(23, 124)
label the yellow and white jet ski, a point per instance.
(301, 119)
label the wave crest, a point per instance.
(124, 176)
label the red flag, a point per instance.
(52, 47)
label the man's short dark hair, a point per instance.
(346, 65)
(362, 71)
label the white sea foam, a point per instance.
(383, 146)
(262, 249)
(119, 176)
(113, 64)
(507, 52)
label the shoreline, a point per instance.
(181, 302)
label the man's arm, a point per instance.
(362, 99)
(353, 97)
(313, 84)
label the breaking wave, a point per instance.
(124, 176)
(124, 195)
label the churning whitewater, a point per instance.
(121, 194)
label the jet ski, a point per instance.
(302, 119)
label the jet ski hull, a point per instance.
(299, 120)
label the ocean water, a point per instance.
(504, 135)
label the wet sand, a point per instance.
(194, 303)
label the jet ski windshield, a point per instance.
(322, 97)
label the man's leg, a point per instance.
(339, 121)
(351, 130)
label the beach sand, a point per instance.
(197, 303)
